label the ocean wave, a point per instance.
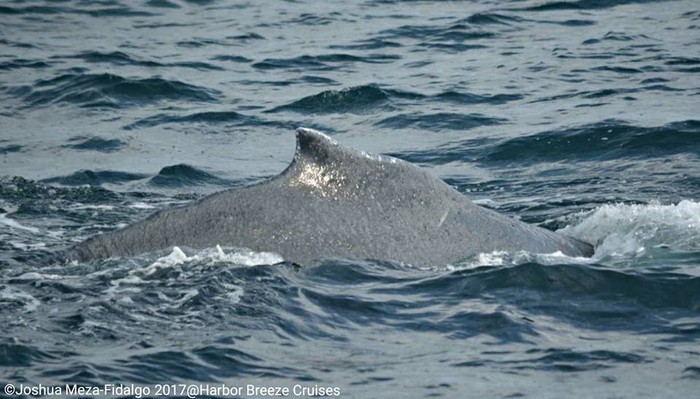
(372, 98)
(617, 69)
(183, 175)
(438, 121)
(360, 99)
(304, 80)
(95, 178)
(455, 32)
(231, 58)
(561, 360)
(162, 4)
(624, 93)
(470, 98)
(683, 64)
(15, 188)
(621, 230)
(308, 19)
(571, 22)
(7, 149)
(322, 62)
(653, 290)
(452, 47)
(488, 18)
(19, 355)
(12, 43)
(605, 140)
(582, 5)
(198, 42)
(229, 118)
(109, 90)
(247, 37)
(368, 44)
(94, 11)
(99, 144)
(121, 58)
(20, 63)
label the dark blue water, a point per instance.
(579, 116)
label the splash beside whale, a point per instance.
(336, 202)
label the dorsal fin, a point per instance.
(331, 169)
(316, 147)
(328, 168)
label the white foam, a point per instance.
(12, 295)
(28, 247)
(248, 258)
(95, 207)
(620, 230)
(15, 224)
(487, 202)
(245, 258)
(233, 293)
(620, 233)
(139, 277)
(34, 276)
(554, 258)
(177, 257)
(188, 294)
(505, 258)
(495, 258)
(141, 205)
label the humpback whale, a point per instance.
(336, 202)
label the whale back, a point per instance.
(336, 202)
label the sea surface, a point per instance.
(581, 116)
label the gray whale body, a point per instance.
(336, 202)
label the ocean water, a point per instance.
(579, 116)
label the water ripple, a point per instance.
(438, 121)
(121, 58)
(611, 139)
(322, 62)
(185, 175)
(109, 90)
(361, 99)
(229, 118)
